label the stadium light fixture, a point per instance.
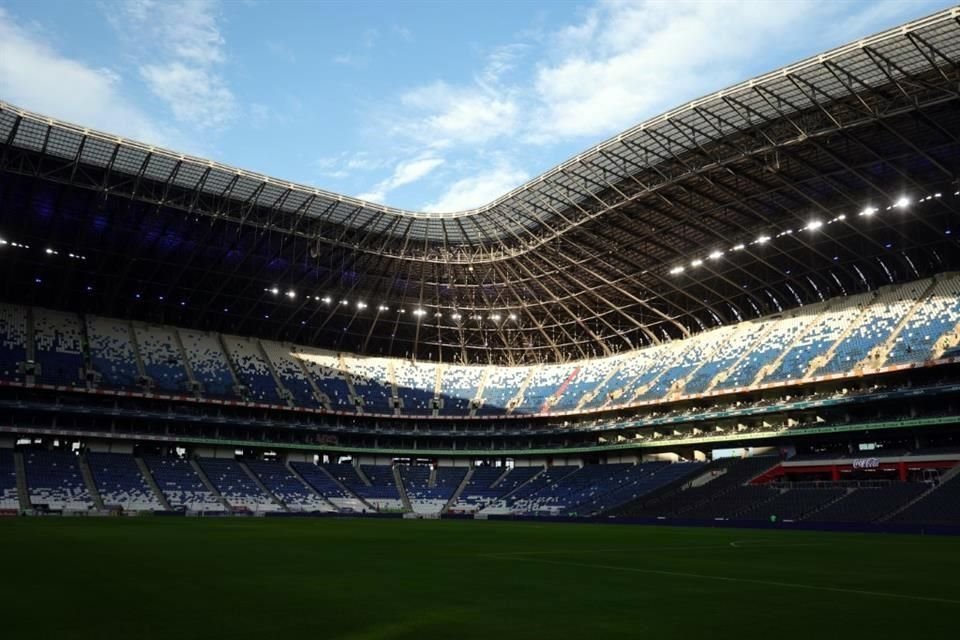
(361, 304)
(763, 239)
(868, 211)
(902, 203)
(738, 247)
(383, 307)
(676, 270)
(419, 312)
(291, 294)
(495, 317)
(344, 302)
(327, 300)
(816, 224)
(513, 316)
(696, 263)
(716, 255)
(456, 316)
(275, 291)
(3, 242)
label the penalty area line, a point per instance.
(715, 578)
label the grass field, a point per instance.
(353, 579)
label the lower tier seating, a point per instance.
(54, 481)
(120, 482)
(181, 485)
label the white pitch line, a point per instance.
(767, 583)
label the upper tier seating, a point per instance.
(415, 385)
(818, 338)
(8, 481)
(294, 495)
(252, 369)
(729, 352)
(778, 337)
(208, 363)
(782, 348)
(589, 376)
(237, 488)
(937, 316)
(181, 485)
(698, 348)
(325, 485)
(54, 480)
(120, 482)
(873, 327)
(330, 379)
(544, 383)
(287, 363)
(59, 346)
(501, 386)
(371, 381)
(162, 362)
(458, 388)
(111, 352)
(13, 341)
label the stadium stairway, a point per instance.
(456, 494)
(296, 474)
(362, 475)
(401, 489)
(209, 485)
(23, 494)
(87, 476)
(820, 361)
(774, 365)
(256, 479)
(519, 486)
(878, 355)
(478, 397)
(135, 348)
(517, 399)
(228, 358)
(722, 376)
(152, 483)
(185, 361)
(827, 505)
(346, 490)
(944, 478)
(282, 390)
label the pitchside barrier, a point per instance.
(790, 525)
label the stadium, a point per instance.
(737, 323)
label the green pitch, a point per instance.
(355, 579)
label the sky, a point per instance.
(436, 106)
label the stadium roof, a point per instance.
(742, 203)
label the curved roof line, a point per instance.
(573, 185)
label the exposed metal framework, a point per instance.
(576, 263)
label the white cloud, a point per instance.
(35, 76)
(479, 189)
(404, 173)
(445, 115)
(181, 52)
(628, 61)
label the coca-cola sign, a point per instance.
(866, 463)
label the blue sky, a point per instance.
(422, 105)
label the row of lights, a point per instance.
(361, 305)
(49, 250)
(902, 203)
